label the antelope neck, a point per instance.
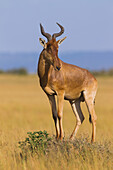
(43, 66)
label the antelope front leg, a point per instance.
(54, 113)
(60, 113)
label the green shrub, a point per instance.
(35, 143)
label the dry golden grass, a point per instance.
(24, 107)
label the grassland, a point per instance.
(24, 107)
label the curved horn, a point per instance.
(60, 33)
(47, 35)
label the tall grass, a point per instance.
(25, 108)
(77, 154)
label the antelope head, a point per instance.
(51, 47)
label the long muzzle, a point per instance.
(57, 64)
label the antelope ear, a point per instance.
(61, 40)
(43, 42)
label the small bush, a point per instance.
(36, 142)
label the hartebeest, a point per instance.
(68, 82)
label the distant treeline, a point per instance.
(20, 71)
(23, 71)
(103, 72)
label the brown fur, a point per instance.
(68, 82)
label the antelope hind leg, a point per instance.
(79, 117)
(89, 99)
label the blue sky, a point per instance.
(88, 24)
